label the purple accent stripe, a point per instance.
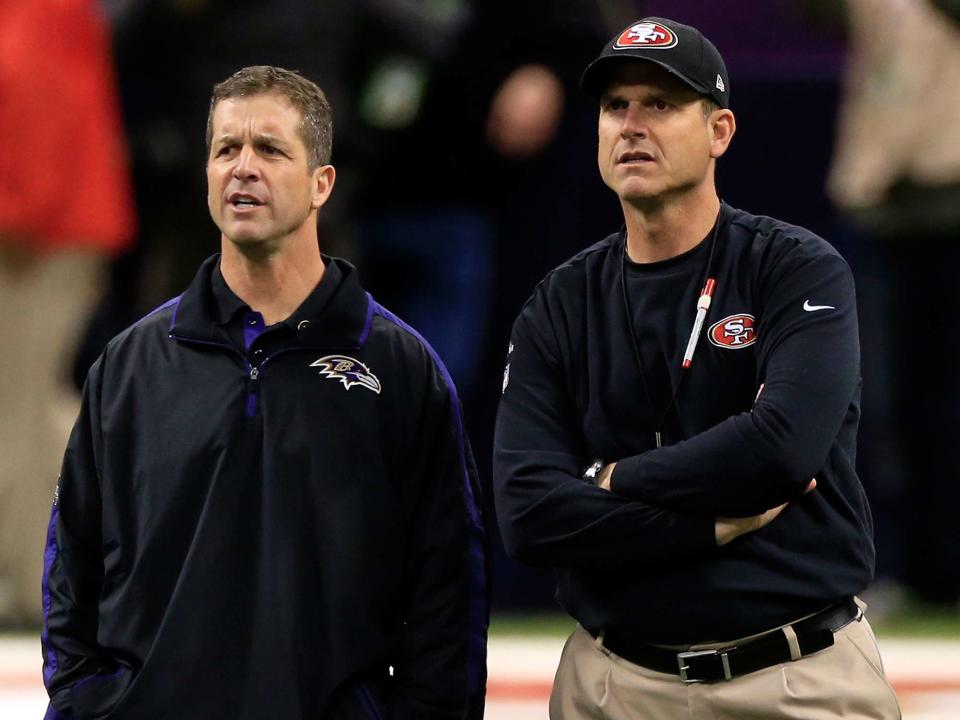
(251, 404)
(50, 552)
(54, 714)
(476, 655)
(99, 677)
(368, 322)
(168, 303)
(173, 317)
(369, 702)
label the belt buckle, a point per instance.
(682, 657)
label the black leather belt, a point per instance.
(813, 633)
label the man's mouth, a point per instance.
(634, 157)
(242, 201)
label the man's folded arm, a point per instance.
(548, 514)
(808, 365)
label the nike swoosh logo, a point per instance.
(810, 308)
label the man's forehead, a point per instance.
(272, 113)
(642, 73)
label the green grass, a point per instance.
(534, 624)
(919, 621)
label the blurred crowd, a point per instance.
(465, 172)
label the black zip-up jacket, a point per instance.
(297, 535)
(643, 558)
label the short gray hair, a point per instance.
(708, 106)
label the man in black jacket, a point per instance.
(678, 427)
(268, 508)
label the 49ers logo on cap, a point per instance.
(734, 332)
(646, 34)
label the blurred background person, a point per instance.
(450, 99)
(896, 176)
(65, 209)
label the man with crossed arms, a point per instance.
(677, 432)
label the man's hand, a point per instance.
(603, 479)
(725, 529)
(728, 529)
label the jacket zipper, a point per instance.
(253, 371)
(252, 390)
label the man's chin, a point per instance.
(245, 239)
(640, 195)
(250, 244)
(634, 185)
(244, 234)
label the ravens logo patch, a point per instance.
(348, 371)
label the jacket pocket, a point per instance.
(95, 696)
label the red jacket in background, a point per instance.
(64, 176)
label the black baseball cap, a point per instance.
(680, 49)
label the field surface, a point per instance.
(923, 665)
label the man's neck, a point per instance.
(659, 230)
(274, 284)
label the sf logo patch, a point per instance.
(646, 34)
(734, 332)
(347, 370)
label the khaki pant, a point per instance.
(45, 303)
(844, 681)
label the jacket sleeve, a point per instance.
(808, 365)
(547, 514)
(73, 566)
(442, 669)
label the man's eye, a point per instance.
(225, 150)
(616, 104)
(661, 105)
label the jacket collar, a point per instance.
(330, 317)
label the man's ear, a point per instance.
(722, 126)
(324, 176)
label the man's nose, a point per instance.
(246, 167)
(634, 122)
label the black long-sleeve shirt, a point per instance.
(643, 558)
